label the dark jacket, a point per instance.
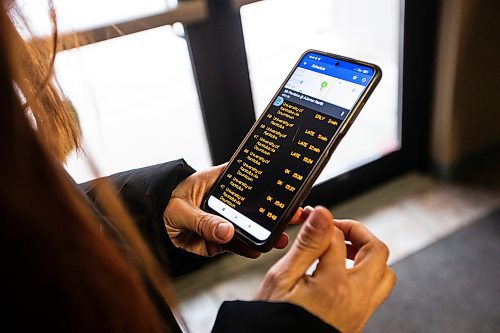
(146, 192)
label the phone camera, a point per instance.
(337, 63)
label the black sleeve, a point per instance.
(146, 192)
(263, 317)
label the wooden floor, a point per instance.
(408, 214)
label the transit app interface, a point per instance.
(286, 144)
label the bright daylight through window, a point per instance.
(135, 95)
(277, 32)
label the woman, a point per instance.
(93, 258)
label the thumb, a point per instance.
(311, 243)
(211, 228)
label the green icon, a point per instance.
(323, 84)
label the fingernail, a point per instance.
(223, 230)
(307, 211)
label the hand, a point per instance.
(202, 233)
(343, 298)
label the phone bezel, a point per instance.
(305, 188)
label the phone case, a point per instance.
(303, 191)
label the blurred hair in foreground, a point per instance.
(61, 272)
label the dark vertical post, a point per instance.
(420, 38)
(217, 52)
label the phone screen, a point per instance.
(281, 151)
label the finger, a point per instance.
(210, 175)
(212, 228)
(301, 215)
(362, 240)
(298, 217)
(372, 254)
(306, 212)
(354, 232)
(384, 288)
(332, 264)
(282, 241)
(380, 294)
(311, 243)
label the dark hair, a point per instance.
(60, 272)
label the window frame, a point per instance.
(213, 31)
(224, 29)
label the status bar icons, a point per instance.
(359, 70)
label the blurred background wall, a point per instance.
(466, 117)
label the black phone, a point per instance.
(274, 168)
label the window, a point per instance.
(277, 32)
(132, 111)
(163, 79)
(137, 102)
(78, 15)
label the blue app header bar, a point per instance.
(337, 68)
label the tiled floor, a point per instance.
(408, 214)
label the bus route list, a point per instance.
(275, 161)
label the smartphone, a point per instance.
(274, 168)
